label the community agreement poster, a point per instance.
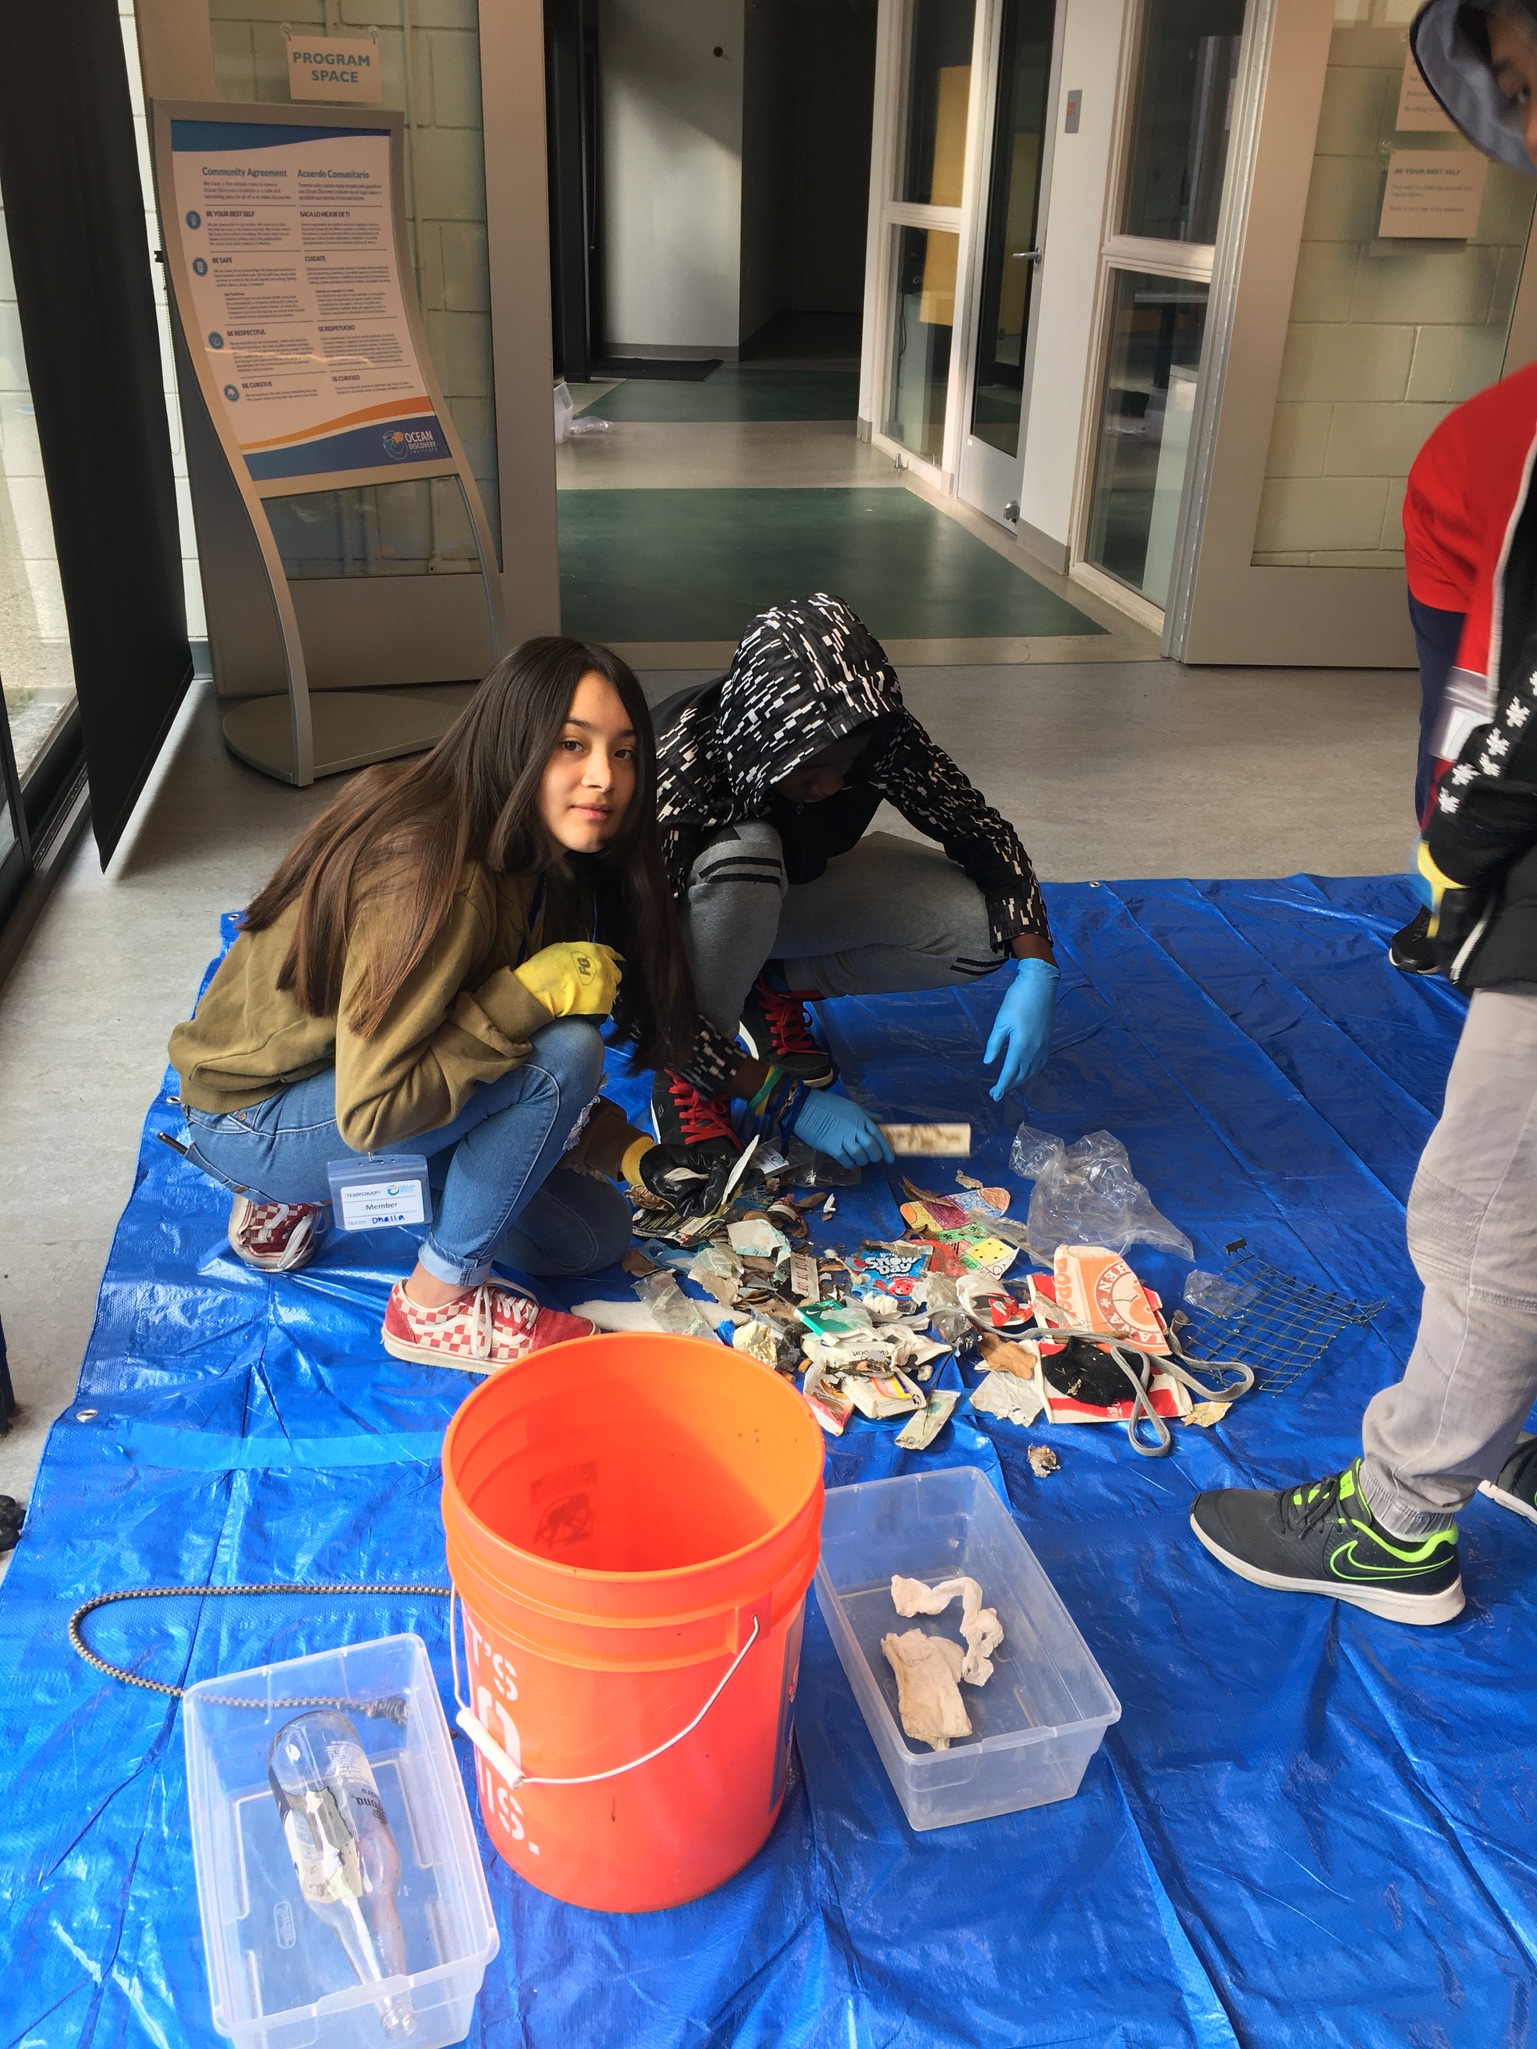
(289, 237)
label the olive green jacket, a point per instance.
(460, 1018)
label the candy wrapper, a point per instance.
(826, 1401)
(878, 1395)
(920, 1433)
(934, 1213)
(766, 1342)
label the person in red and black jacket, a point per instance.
(1382, 1535)
(1463, 488)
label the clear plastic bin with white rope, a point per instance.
(278, 1975)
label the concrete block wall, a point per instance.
(1385, 336)
(430, 66)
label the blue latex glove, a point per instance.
(1022, 1033)
(833, 1125)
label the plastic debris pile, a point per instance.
(866, 1329)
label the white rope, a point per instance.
(515, 1776)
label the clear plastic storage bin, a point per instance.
(1044, 1712)
(278, 1974)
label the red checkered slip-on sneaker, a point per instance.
(275, 1237)
(480, 1331)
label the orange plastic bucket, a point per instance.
(632, 1524)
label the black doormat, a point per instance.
(682, 370)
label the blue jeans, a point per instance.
(501, 1192)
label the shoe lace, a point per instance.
(270, 1221)
(480, 1315)
(785, 1016)
(1304, 1508)
(700, 1117)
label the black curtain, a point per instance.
(75, 219)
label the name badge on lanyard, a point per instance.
(373, 1194)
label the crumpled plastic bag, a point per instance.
(1086, 1194)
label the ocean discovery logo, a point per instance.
(404, 444)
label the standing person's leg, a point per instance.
(888, 915)
(1382, 1534)
(1453, 1419)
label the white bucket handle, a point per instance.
(503, 1765)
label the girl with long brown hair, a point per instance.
(430, 967)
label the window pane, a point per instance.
(923, 321)
(405, 529)
(1181, 119)
(938, 82)
(1156, 325)
(39, 679)
(1008, 274)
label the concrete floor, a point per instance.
(1109, 769)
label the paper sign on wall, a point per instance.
(1418, 107)
(327, 67)
(1434, 194)
(295, 295)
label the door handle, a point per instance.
(1026, 255)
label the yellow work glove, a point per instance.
(578, 978)
(1433, 887)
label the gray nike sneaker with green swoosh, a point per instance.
(1322, 1538)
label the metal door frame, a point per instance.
(887, 215)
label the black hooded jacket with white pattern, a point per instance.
(1483, 827)
(806, 674)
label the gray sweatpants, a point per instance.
(887, 915)
(1454, 1418)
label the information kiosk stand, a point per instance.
(290, 283)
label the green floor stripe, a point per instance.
(696, 565)
(736, 392)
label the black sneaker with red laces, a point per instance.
(681, 1116)
(776, 1030)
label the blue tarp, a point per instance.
(1309, 1827)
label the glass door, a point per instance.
(922, 178)
(992, 451)
(1156, 282)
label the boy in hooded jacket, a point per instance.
(1382, 1535)
(768, 780)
